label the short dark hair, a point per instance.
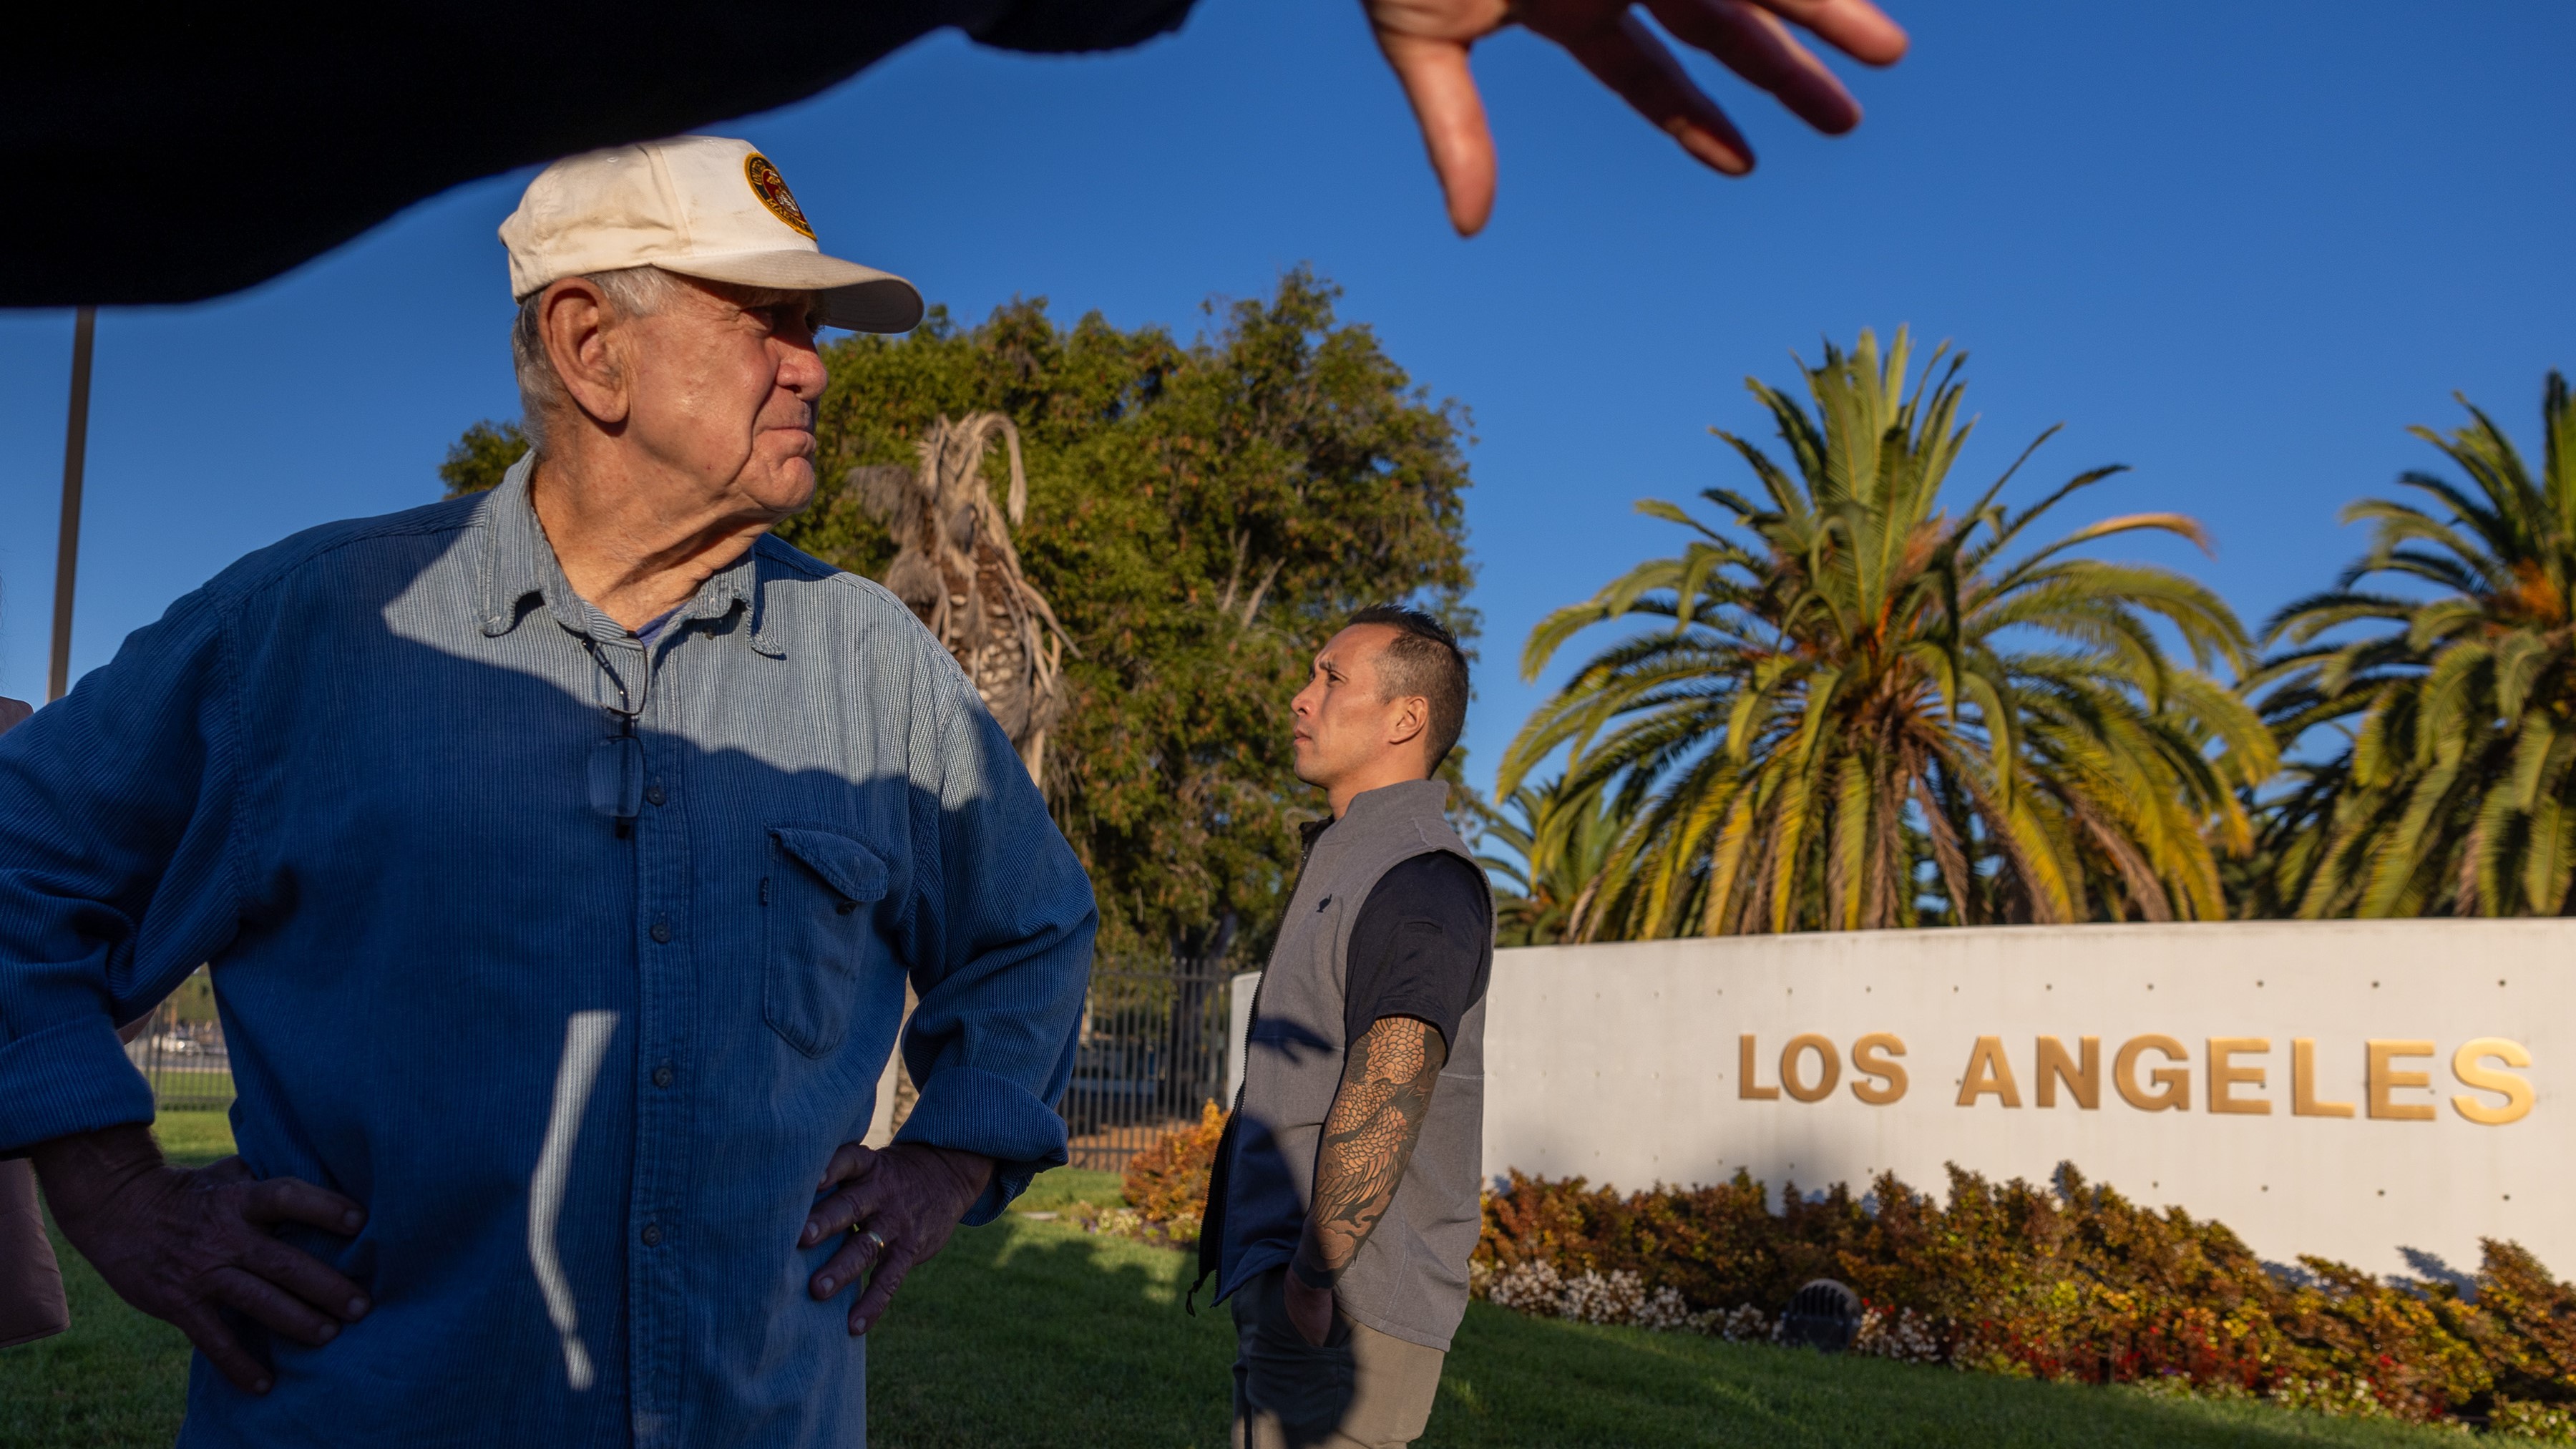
(1423, 659)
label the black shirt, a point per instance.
(1422, 947)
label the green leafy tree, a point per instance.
(2454, 702)
(1865, 710)
(1201, 516)
(476, 461)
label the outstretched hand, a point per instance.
(897, 1207)
(1426, 41)
(185, 1245)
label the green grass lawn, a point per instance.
(194, 1138)
(1030, 1332)
(194, 1094)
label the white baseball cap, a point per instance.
(701, 206)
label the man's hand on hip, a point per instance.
(898, 1206)
(184, 1244)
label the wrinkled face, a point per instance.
(1341, 722)
(722, 387)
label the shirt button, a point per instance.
(663, 1076)
(654, 794)
(652, 1235)
(661, 933)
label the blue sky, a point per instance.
(2239, 248)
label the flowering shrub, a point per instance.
(1742, 1324)
(1120, 1222)
(2533, 1421)
(2070, 1282)
(1535, 1287)
(1532, 1287)
(1901, 1334)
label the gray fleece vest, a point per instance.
(1410, 1278)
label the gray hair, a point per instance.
(631, 292)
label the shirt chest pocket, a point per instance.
(814, 900)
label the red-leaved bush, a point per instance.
(2072, 1281)
(1167, 1183)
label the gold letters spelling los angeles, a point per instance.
(2153, 1074)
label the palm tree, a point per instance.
(956, 568)
(2456, 707)
(1559, 842)
(1862, 713)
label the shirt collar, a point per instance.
(1410, 797)
(736, 585)
(519, 564)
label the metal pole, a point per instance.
(67, 552)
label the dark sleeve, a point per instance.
(1063, 25)
(1422, 947)
(278, 142)
(120, 806)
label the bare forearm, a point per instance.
(80, 1170)
(1368, 1140)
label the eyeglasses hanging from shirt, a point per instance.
(617, 763)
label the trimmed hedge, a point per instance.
(2071, 1281)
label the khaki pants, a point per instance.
(31, 1288)
(1362, 1390)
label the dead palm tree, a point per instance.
(955, 567)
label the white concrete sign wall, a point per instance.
(2351, 1089)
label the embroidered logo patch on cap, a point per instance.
(772, 190)
(709, 207)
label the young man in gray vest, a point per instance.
(1344, 1201)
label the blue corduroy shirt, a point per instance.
(571, 959)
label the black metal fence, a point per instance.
(1152, 1054)
(184, 1060)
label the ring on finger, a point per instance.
(876, 1241)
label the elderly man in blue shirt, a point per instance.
(561, 855)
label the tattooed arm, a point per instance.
(1369, 1137)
